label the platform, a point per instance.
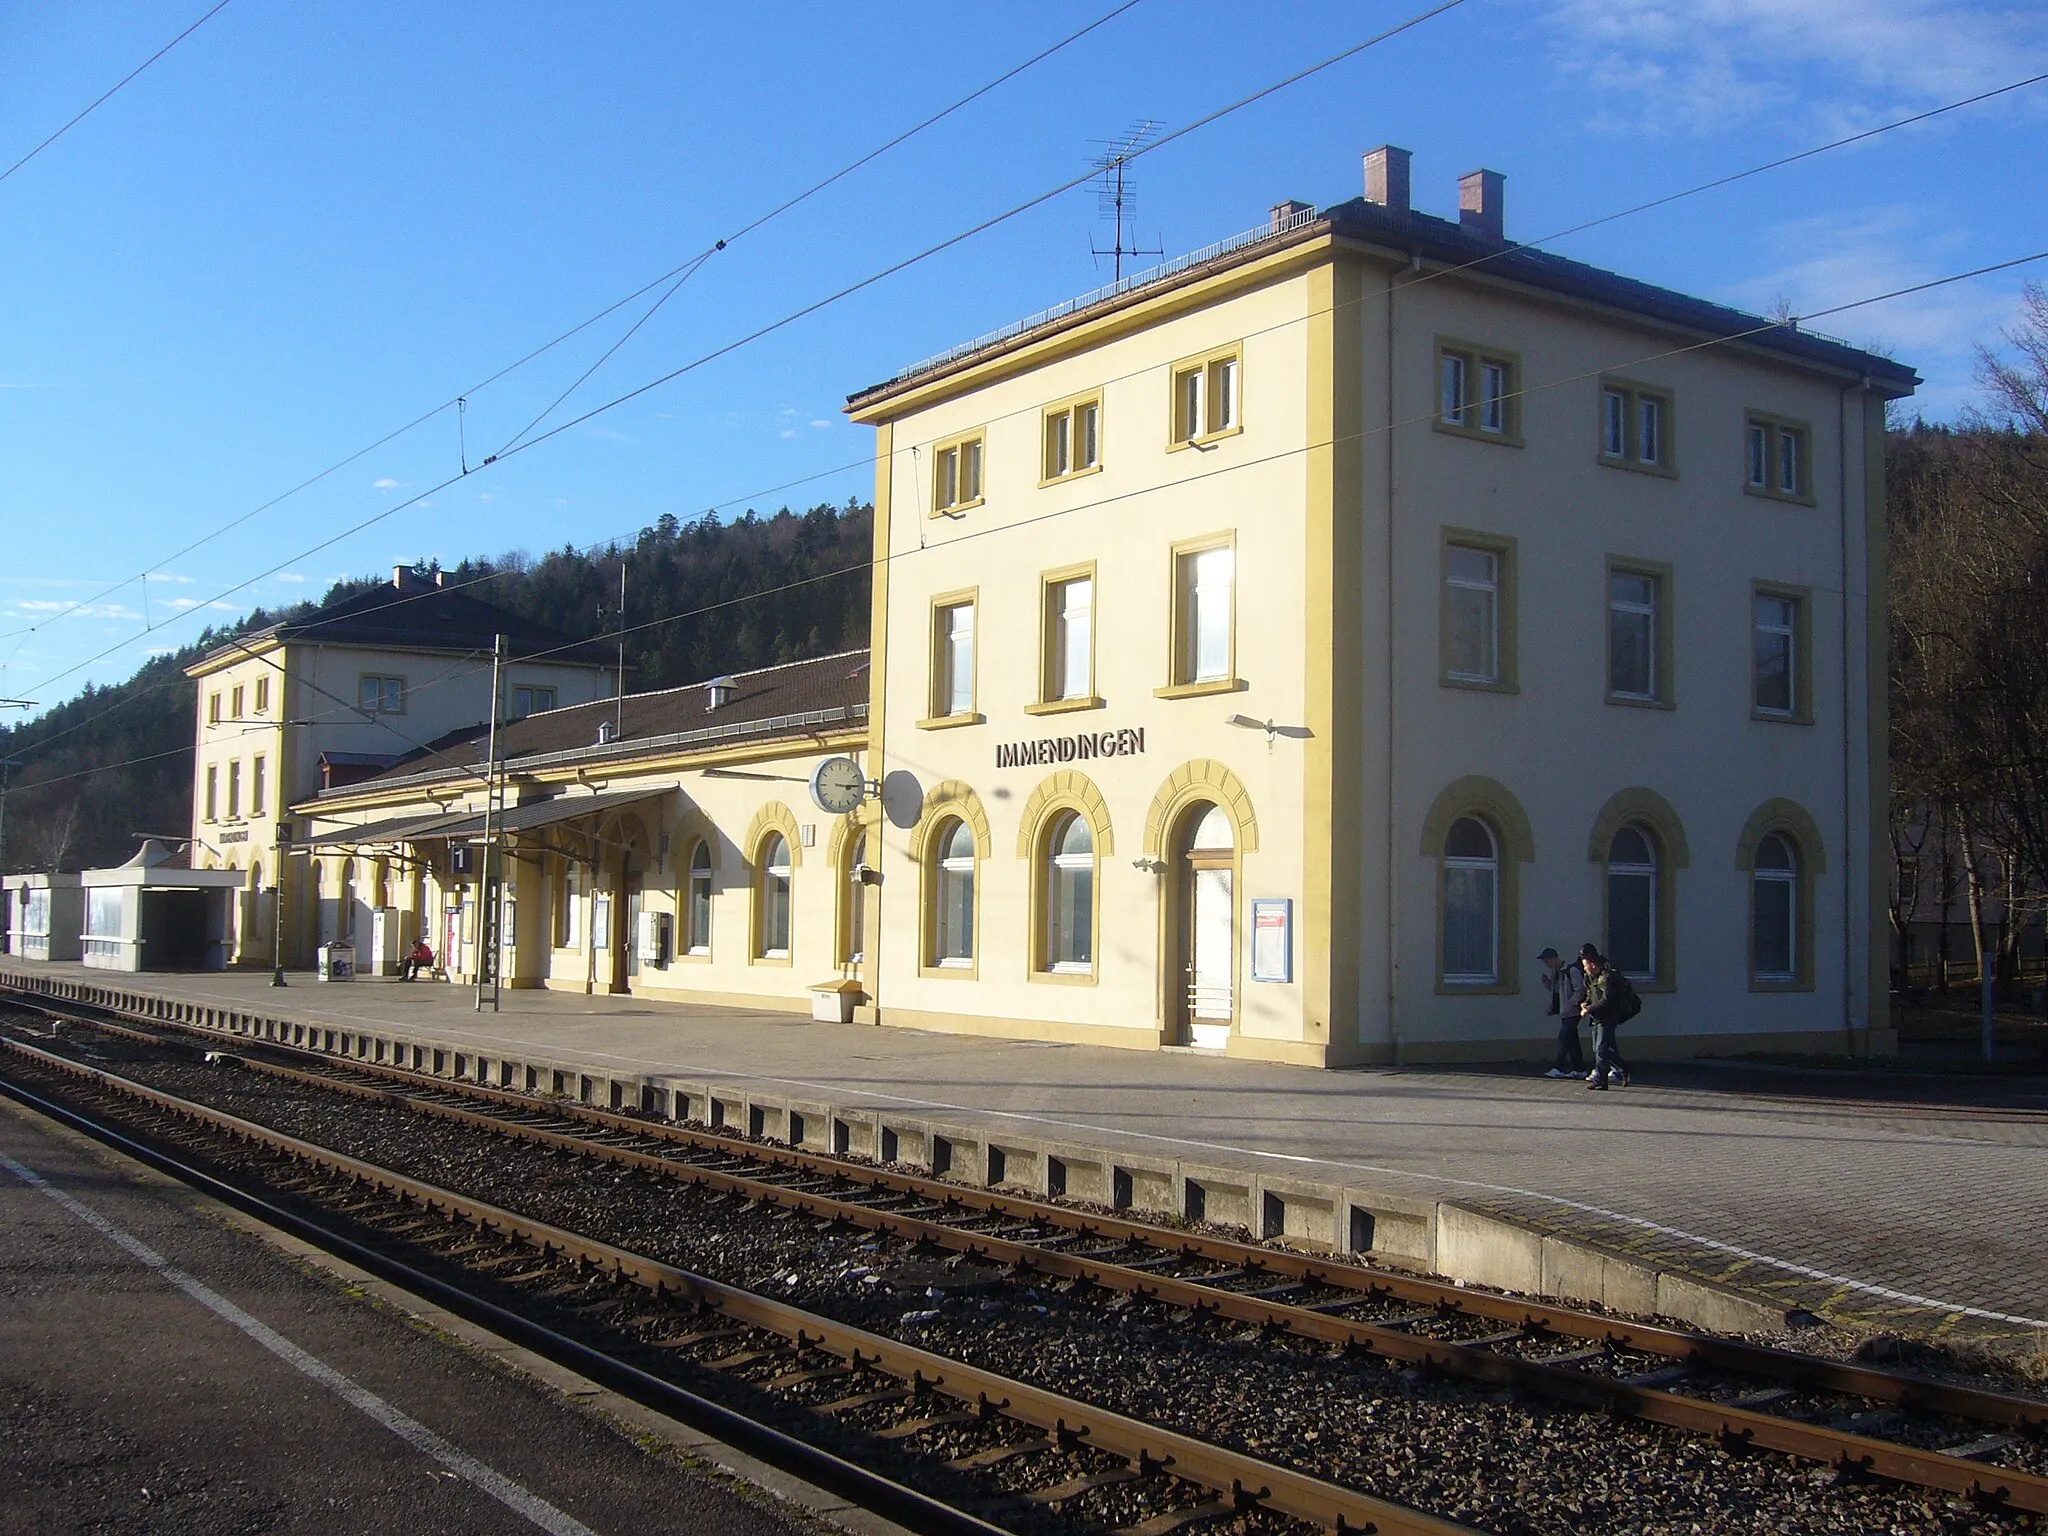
(1723, 1195)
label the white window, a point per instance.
(956, 474)
(1635, 425)
(697, 902)
(1777, 630)
(1774, 911)
(1779, 457)
(377, 695)
(1205, 396)
(569, 910)
(531, 701)
(1650, 429)
(1759, 454)
(771, 897)
(1493, 397)
(1472, 605)
(953, 647)
(953, 897)
(212, 792)
(1632, 903)
(1471, 914)
(1070, 896)
(1205, 578)
(262, 695)
(213, 709)
(234, 790)
(1631, 635)
(853, 892)
(1072, 438)
(235, 703)
(1614, 423)
(1071, 611)
(1451, 393)
(1476, 391)
(258, 802)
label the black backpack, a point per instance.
(1623, 1001)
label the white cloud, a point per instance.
(291, 576)
(1709, 64)
(787, 432)
(160, 650)
(821, 424)
(384, 483)
(485, 496)
(167, 576)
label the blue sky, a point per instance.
(306, 225)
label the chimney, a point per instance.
(1482, 203)
(722, 689)
(1386, 178)
(401, 577)
(1283, 214)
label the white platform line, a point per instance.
(415, 1434)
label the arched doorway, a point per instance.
(1203, 983)
(625, 850)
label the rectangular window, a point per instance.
(262, 695)
(377, 695)
(213, 709)
(258, 804)
(1632, 639)
(1204, 580)
(1476, 391)
(1070, 635)
(531, 701)
(1778, 457)
(1072, 438)
(1472, 614)
(235, 790)
(953, 645)
(1635, 426)
(1782, 655)
(235, 704)
(956, 474)
(212, 792)
(1206, 400)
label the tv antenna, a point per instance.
(1116, 196)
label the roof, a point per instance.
(1410, 233)
(797, 698)
(422, 616)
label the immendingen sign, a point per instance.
(1070, 749)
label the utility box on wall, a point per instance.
(657, 937)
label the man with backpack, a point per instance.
(1611, 1001)
(1566, 985)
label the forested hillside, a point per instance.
(701, 598)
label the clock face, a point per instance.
(838, 785)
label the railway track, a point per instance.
(1858, 1419)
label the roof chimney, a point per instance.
(1386, 178)
(401, 577)
(1482, 203)
(722, 689)
(1283, 214)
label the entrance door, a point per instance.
(1206, 895)
(632, 934)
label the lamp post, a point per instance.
(278, 846)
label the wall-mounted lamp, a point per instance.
(1273, 732)
(1148, 864)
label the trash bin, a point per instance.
(833, 1002)
(337, 962)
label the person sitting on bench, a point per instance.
(418, 958)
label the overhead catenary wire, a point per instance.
(888, 558)
(1448, 270)
(812, 308)
(674, 275)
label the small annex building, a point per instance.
(153, 913)
(44, 915)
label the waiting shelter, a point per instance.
(151, 914)
(42, 916)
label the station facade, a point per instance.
(1270, 655)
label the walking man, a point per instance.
(1566, 985)
(1611, 1001)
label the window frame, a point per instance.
(1801, 599)
(687, 947)
(1474, 358)
(1044, 891)
(1205, 368)
(1506, 610)
(763, 871)
(234, 789)
(237, 695)
(1634, 394)
(1796, 937)
(931, 858)
(258, 786)
(213, 709)
(1470, 983)
(1775, 428)
(212, 793)
(1068, 410)
(535, 692)
(263, 695)
(381, 679)
(1655, 871)
(1051, 615)
(1178, 601)
(1663, 652)
(939, 716)
(958, 446)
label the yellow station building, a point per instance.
(1270, 656)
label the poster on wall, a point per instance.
(1272, 938)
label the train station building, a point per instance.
(1271, 654)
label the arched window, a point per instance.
(771, 897)
(1774, 910)
(697, 902)
(1471, 914)
(1069, 887)
(853, 892)
(953, 896)
(1632, 903)
(345, 919)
